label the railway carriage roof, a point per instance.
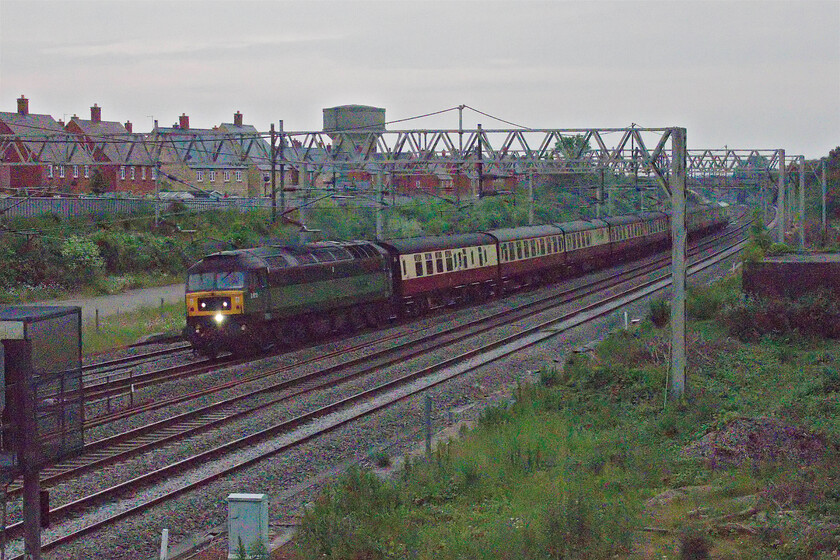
(420, 244)
(620, 220)
(525, 232)
(582, 225)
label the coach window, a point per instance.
(448, 256)
(439, 261)
(518, 249)
(429, 267)
(504, 252)
(418, 265)
(481, 256)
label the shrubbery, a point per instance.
(815, 315)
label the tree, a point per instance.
(572, 147)
(97, 184)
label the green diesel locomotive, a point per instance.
(248, 300)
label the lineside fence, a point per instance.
(21, 207)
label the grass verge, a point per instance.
(589, 464)
(127, 328)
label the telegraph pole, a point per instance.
(273, 178)
(780, 199)
(282, 170)
(678, 237)
(480, 163)
(530, 199)
(822, 163)
(801, 203)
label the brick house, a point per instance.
(117, 153)
(255, 152)
(44, 157)
(203, 159)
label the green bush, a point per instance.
(82, 258)
(815, 315)
(779, 249)
(660, 312)
(350, 520)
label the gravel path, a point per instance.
(121, 303)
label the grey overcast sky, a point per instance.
(742, 74)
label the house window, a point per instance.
(154, 173)
(131, 170)
(87, 171)
(238, 176)
(227, 176)
(143, 173)
(61, 171)
(199, 175)
(75, 171)
(212, 176)
(122, 172)
(50, 171)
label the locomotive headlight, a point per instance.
(219, 318)
(203, 305)
(224, 304)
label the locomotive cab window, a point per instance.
(215, 281)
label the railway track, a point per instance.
(207, 418)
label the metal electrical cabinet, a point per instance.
(247, 520)
(40, 384)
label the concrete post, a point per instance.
(678, 237)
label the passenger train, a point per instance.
(247, 300)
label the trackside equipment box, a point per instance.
(248, 521)
(41, 387)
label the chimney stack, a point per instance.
(23, 105)
(128, 126)
(96, 113)
(184, 121)
(61, 123)
(237, 119)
